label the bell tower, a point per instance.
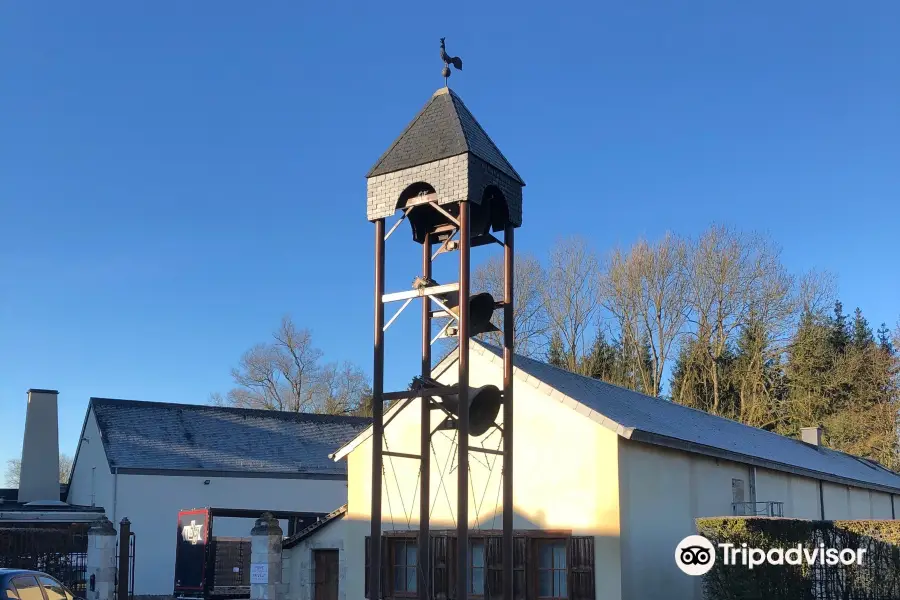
(447, 178)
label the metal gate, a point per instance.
(130, 574)
(60, 552)
(231, 566)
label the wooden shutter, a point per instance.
(385, 567)
(580, 561)
(440, 571)
(493, 562)
(368, 562)
(521, 591)
(386, 570)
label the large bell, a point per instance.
(481, 309)
(484, 406)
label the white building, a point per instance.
(148, 460)
(596, 468)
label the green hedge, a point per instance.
(878, 578)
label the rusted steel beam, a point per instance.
(485, 450)
(377, 416)
(425, 436)
(447, 390)
(401, 454)
(462, 469)
(508, 415)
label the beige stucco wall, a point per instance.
(799, 494)
(568, 481)
(662, 492)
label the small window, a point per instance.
(552, 569)
(53, 588)
(476, 567)
(404, 566)
(11, 593)
(28, 588)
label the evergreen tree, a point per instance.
(600, 362)
(840, 335)
(884, 340)
(862, 333)
(556, 355)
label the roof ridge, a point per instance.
(595, 381)
(281, 414)
(462, 104)
(403, 133)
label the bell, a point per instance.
(484, 406)
(481, 309)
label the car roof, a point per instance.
(6, 573)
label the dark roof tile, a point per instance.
(156, 435)
(442, 129)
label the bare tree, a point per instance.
(529, 312)
(735, 281)
(645, 291)
(286, 375)
(14, 470)
(571, 295)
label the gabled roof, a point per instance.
(150, 437)
(320, 524)
(442, 129)
(642, 418)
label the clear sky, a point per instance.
(175, 176)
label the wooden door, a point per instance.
(325, 571)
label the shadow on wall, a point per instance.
(605, 565)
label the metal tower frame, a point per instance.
(429, 294)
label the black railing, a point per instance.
(757, 509)
(60, 552)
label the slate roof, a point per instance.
(442, 129)
(150, 436)
(320, 524)
(639, 417)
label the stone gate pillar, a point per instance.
(265, 559)
(101, 561)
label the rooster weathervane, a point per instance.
(449, 60)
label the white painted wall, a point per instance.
(92, 482)
(152, 502)
(799, 494)
(298, 567)
(662, 492)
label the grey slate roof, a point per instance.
(442, 129)
(653, 420)
(149, 436)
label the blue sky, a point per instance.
(175, 176)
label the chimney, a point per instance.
(811, 435)
(39, 477)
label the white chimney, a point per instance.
(39, 476)
(811, 435)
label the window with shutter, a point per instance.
(552, 569)
(440, 572)
(477, 566)
(493, 550)
(581, 568)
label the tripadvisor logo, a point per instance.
(695, 555)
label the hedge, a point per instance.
(877, 578)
